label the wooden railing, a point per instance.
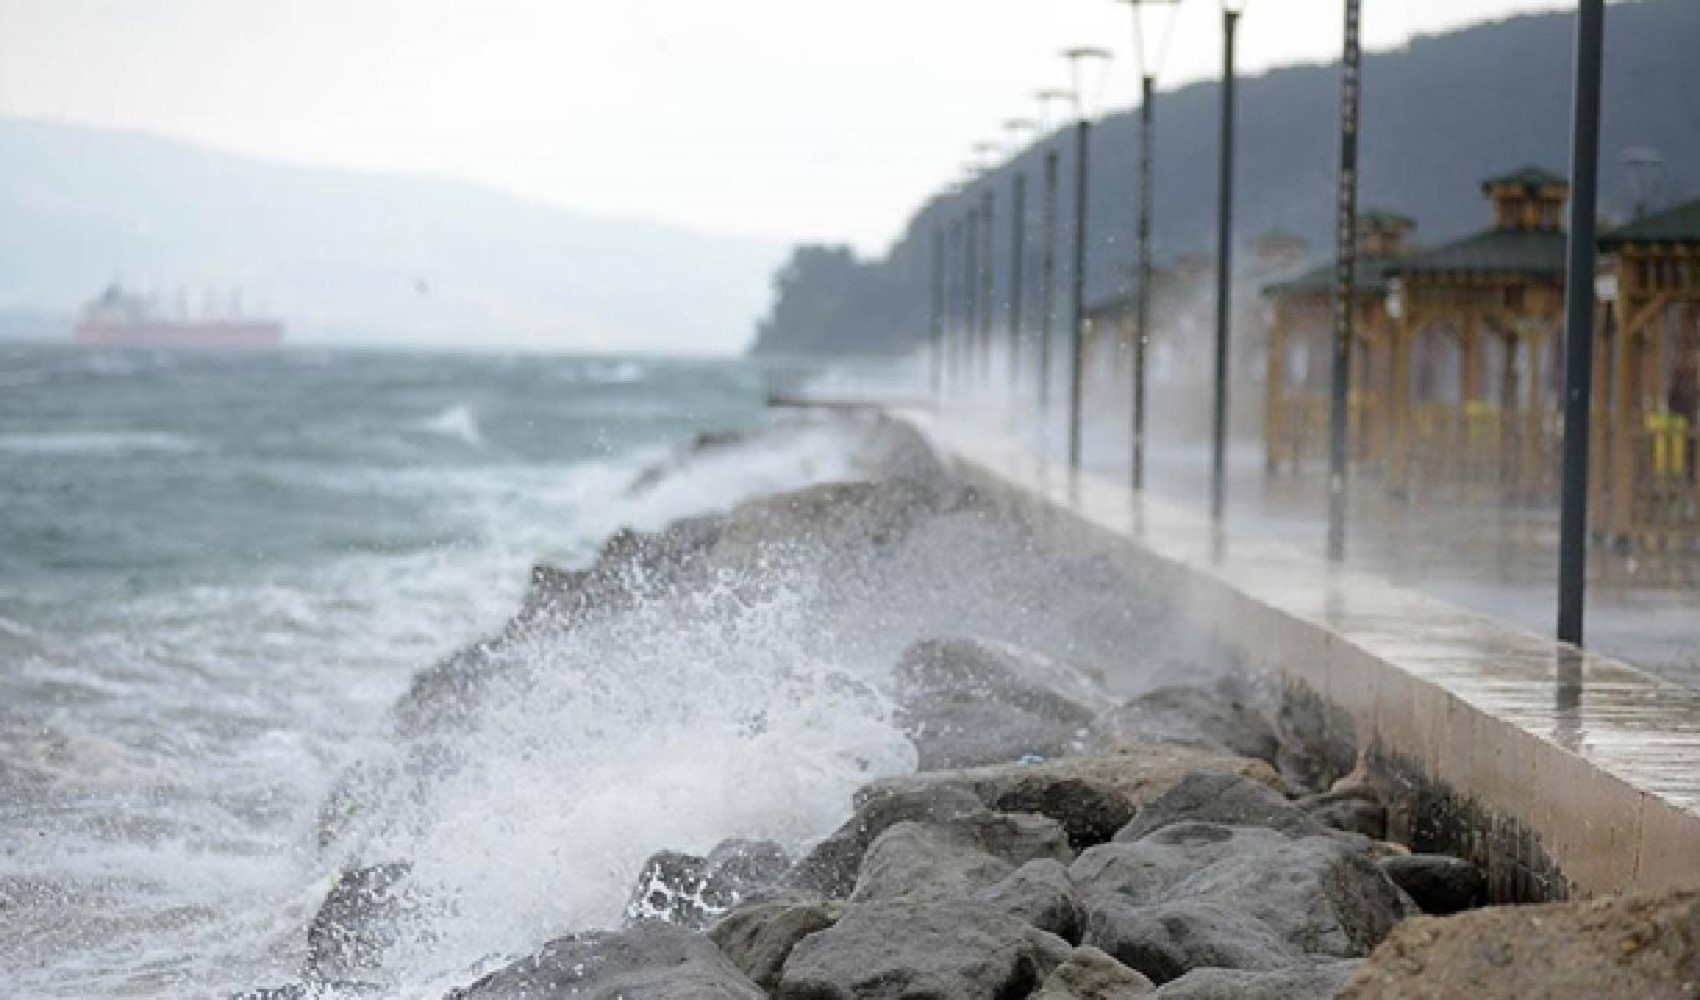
(1299, 436)
(1516, 452)
(1664, 510)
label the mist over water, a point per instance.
(218, 574)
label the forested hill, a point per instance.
(1439, 115)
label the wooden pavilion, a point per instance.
(1299, 360)
(1473, 375)
(1646, 440)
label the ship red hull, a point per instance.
(214, 334)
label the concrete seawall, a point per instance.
(1562, 773)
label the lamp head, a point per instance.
(1153, 25)
(1087, 66)
(1234, 7)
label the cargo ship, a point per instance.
(122, 319)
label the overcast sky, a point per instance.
(788, 119)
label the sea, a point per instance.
(219, 571)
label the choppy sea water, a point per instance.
(217, 572)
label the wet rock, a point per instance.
(831, 868)
(1165, 941)
(1220, 797)
(957, 857)
(313, 991)
(1319, 982)
(447, 692)
(759, 938)
(647, 556)
(1089, 974)
(967, 702)
(358, 922)
(1438, 884)
(1317, 746)
(1092, 797)
(1631, 946)
(1219, 719)
(902, 949)
(692, 892)
(654, 961)
(861, 516)
(1353, 811)
(1041, 893)
(1197, 895)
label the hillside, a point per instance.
(1439, 115)
(349, 257)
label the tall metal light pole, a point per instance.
(1345, 284)
(1153, 20)
(1579, 318)
(935, 330)
(1048, 256)
(970, 286)
(1079, 59)
(1017, 127)
(988, 272)
(1231, 11)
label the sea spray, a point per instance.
(684, 722)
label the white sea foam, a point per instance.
(184, 863)
(458, 422)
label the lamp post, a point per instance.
(970, 286)
(1079, 60)
(1579, 318)
(1231, 11)
(935, 327)
(1153, 21)
(1048, 255)
(987, 153)
(1017, 127)
(1345, 283)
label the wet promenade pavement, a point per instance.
(1496, 559)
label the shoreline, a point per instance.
(1064, 829)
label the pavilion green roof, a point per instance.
(1369, 277)
(1680, 224)
(1536, 253)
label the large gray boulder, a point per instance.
(759, 938)
(1197, 895)
(361, 918)
(1092, 797)
(649, 961)
(1089, 974)
(831, 867)
(968, 702)
(1437, 883)
(955, 858)
(1316, 982)
(1219, 719)
(693, 892)
(1041, 893)
(920, 951)
(1221, 797)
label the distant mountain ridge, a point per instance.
(355, 257)
(1440, 115)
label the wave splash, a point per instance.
(458, 422)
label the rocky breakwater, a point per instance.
(1063, 858)
(1086, 815)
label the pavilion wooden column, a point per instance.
(1275, 390)
(1399, 403)
(1602, 444)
